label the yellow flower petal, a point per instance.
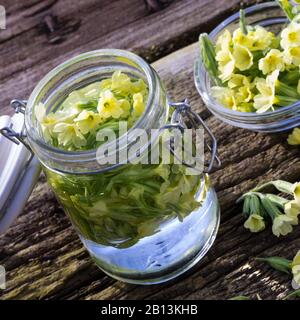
(109, 106)
(290, 36)
(296, 268)
(243, 57)
(282, 225)
(87, 121)
(292, 210)
(138, 104)
(272, 61)
(294, 137)
(255, 223)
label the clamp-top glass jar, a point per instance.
(131, 231)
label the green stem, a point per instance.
(284, 101)
(283, 89)
(287, 8)
(243, 22)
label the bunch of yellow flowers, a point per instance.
(253, 69)
(259, 207)
(102, 104)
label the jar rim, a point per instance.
(203, 84)
(146, 69)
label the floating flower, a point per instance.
(290, 36)
(272, 61)
(125, 106)
(266, 98)
(138, 104)
(296, 270)
(48, 121)
(87, 121)
(121, 82)
(292, 210)
(282, 225)
(69, 134)
(294, 137)
(224, 96)
(243, 57)
(109, 106)
(255, 223)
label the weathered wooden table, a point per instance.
(41, 252)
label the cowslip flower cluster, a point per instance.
(260, 208)
(85, 111)
(252, 68)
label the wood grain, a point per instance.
(45, 259)
(27, 55)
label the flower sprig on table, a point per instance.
(260, 207)
(290, 267)
(253, 69)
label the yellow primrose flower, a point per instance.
(243, 57)
(48, 121)
(294, 137)
(244, 94)
(292, 210)
(238, 80)
(292, 56)
(266, 97)
(290, 36)
(296, 269)
(105, 84)
(224, 96)
(109, 106)
(282, 225)
(125, 106)
(87, 121)
(256, 39)
(225, 64)
(224, 41)
(255, 223)
(242, 39)
(272, 61)
(121, 82)
(296, 191)
(138, 86)
(138, 104)
(68, 134)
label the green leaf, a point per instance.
(208, 57)
(239, 298)
(293, 294)
(278, 263)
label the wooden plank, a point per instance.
(45, 259)
(26, 53)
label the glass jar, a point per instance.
(129, 237)
(270, 16)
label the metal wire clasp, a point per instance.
(183, 109)
(17, 137)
